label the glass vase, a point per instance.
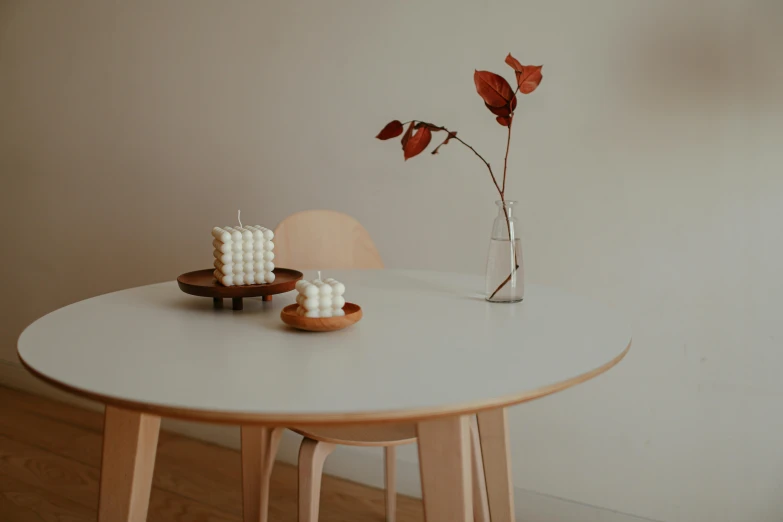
(505, 271)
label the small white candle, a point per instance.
(319, 298)
(243, 255)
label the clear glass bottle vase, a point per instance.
(505, 271)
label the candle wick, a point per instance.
(239, 214)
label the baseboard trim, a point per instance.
(363, 465)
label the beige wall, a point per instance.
(648, 166)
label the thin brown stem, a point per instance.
(494, 180)
(512, 240)
(505, 160)
(508, 141)
(505, 282)
(455, 137)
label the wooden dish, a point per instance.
(353, 313)
(203, 284)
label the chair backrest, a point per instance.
(324, 239)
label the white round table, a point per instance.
(429, 349)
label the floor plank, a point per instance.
(20, 401)
(77, 482)
(50, 457)
(20, 502)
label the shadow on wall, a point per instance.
(707, 57)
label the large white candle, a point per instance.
(243, 255)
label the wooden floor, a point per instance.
(50, 455)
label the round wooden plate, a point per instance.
(353, 313)
(203, 284)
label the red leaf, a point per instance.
(407, 135)
(391, 130)
(503, 121)
(417, 143)
(499, 111)
(505, 110)
(528, 76)
(513, 62)
(493, 89)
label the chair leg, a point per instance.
(480, 502)
(312, 455)
(390, 463)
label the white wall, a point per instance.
(648, 166)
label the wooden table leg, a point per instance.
(480, 502)
(266, 298)
(237, 303)
(130, 440)
(495, 450)
(444, 460)
(259, 448)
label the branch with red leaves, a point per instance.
(500, 99)
(414, 143)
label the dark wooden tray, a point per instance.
(203, 284)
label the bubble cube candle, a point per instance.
(243, 255)
(320, 298)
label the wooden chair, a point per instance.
(325, 239)
(320, 441)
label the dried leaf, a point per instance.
(407, 135)
(504, 121)
(493, 88)
(448, 138)
(513, 62)
(505, 110)
(499, 111)
(391, 130)
(417, 143)
(528, 76)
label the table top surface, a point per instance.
(428, 345)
